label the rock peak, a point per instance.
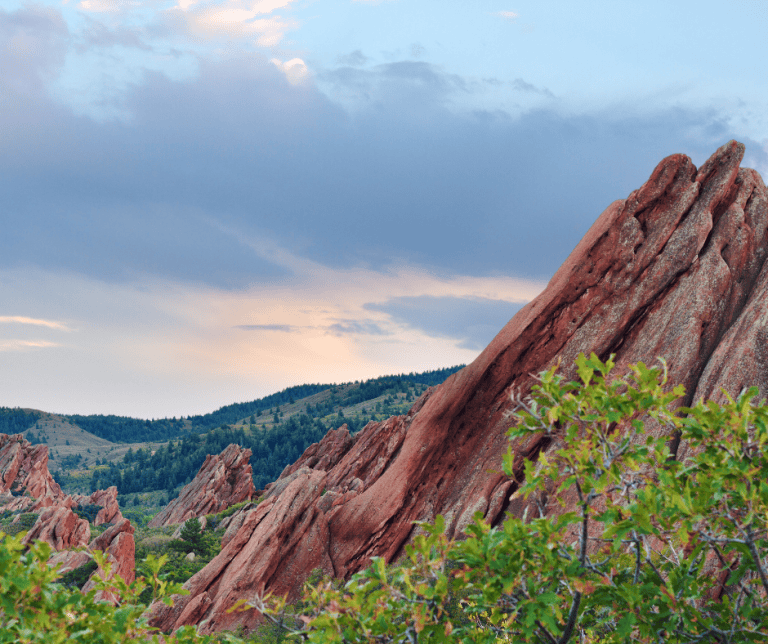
(677, 270)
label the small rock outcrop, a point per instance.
(223, 480)
(107, 499)
(676, 270)
(24, 468)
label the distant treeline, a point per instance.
(133, 430)
(178, 462)
(16, 421)
(122, 429)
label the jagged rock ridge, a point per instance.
(223, 480)
(675, 270)
(27, 484)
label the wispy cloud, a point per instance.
(20, 319)
(339, 328)
(285, 328)
(107, 6)
(507, 15)
(353, 59)
(22, 345)
(524, 86)
(356, 327)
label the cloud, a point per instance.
(356, 327)
(285, 328)
(236, 176)
(353, 59)
(107, 6)
(97, 35)
(523, 86)
(507, 15)
(340, 328)
(34, 49)
(235, 19)
(295, 70)
(26, 345)
(473, 321)
(19, 319)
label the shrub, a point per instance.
(656, 549)
(87, 512)
(36, 608)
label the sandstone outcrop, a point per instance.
(107, 499)
(223, 480)
(323, 455)
(24, 468)
(675, 270)
(27, 484)
(61, 528)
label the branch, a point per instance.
(572, 615)
(756, 559)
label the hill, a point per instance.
(94, 452)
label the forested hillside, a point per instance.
(273, 440)
(133, 430)
(16, 421)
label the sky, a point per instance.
(205, 202)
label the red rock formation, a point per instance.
(61, 528)
(107, 499)
(118, 544)
(117, 541)
(281, 540)
(24, 468)
(675, 270)
(28, 485)
(325, 454)
(223, 480)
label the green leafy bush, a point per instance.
(36, 608)
(653, 549)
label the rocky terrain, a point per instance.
(224, 479)
(26, 484)
(674, 270)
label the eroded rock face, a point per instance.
(107, 499)
(223, 480)
(118, 544)
(277, 544)
(675, 270)
(24, 468)
(26, 484)
(61, 528)
(325, 454)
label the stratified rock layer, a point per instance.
(223, 480)
(675, 270)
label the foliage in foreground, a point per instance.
(35, 607)
(658, 550)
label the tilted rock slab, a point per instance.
(116, 541)
(24, 468)
(223, 480)
(675, 270)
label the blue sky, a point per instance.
(205, 202)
